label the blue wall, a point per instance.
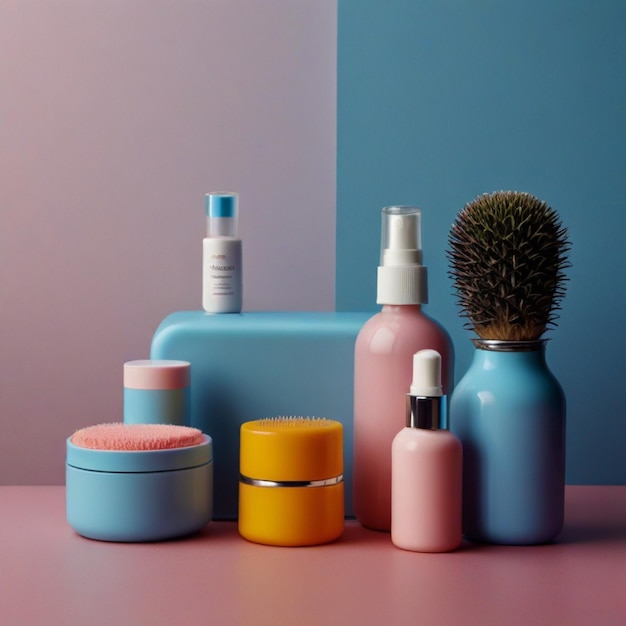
(440, 101)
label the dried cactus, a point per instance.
(508, 255)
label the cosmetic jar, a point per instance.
(156, 392)
(138, 482)
(291, 490)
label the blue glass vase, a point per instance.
(509, 413)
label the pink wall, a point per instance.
(116, 117)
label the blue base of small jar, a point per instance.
(149, 506)
(157, 406)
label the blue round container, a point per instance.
(139, 495)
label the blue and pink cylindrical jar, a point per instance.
(157, 392)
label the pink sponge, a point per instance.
(121, 436)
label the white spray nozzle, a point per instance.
(426, 374)
(401, 236)
(402, 279)
(402, 232)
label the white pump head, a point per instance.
(426, 374)
(401, 275)
(400, 241)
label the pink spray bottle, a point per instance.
(383, 361)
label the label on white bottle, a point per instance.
(221, 275)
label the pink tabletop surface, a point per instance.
(51, 576)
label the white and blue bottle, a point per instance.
(222, 257)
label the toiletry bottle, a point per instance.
(426, 467)
(383, 362)
(221, 262)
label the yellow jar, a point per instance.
(291, 481)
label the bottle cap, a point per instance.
(402, 279)
(221, 210)
(425, 403)
(221, 204)
(157, 374)
(426, 374)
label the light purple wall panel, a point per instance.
(115, 118)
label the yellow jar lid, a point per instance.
(291, 449)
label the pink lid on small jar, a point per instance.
(157, 374)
